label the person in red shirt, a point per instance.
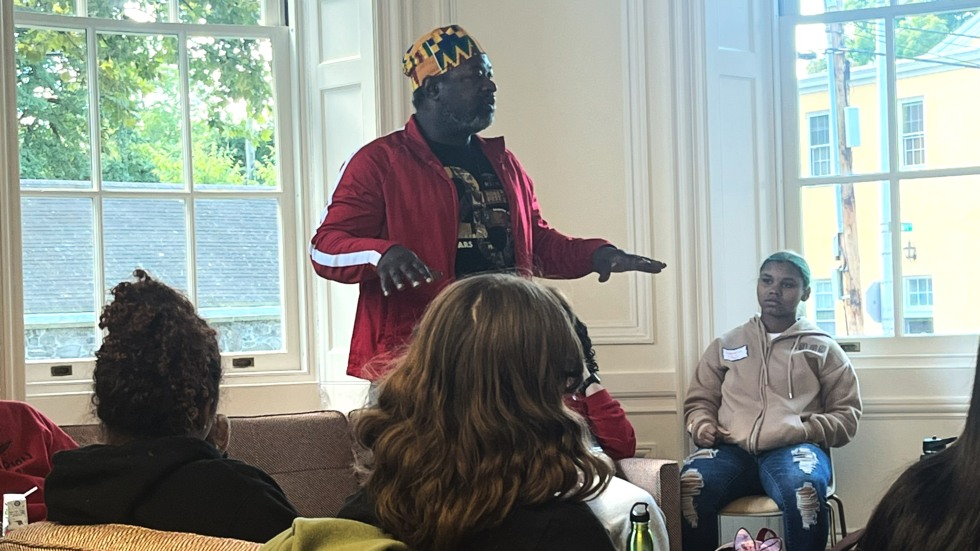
(28, 439)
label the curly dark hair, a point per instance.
(159, 367)
(582, 332)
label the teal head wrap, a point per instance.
(795, 260)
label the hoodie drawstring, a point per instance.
(789, 365)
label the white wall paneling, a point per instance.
(743, 207)
(585, 146)
(343, 108)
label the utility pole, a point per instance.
(850, 268)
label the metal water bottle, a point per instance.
(640, 537)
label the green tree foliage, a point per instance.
(914, 35)
(52, 104)
(139, 115)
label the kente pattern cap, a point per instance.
(437, 52)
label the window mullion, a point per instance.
(183, 71)
(98, 243)
(894, 183)
(95, 135)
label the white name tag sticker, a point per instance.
(735, 354)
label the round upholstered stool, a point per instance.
(764, 506)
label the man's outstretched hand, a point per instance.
(607, 260)
(400, 268)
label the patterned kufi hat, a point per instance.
(437, 52)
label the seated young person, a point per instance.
(157, 380)
(28, 440)
(615, 435)
(933, 504)
(471, 444)
(766, 401)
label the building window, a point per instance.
(150, 136)
(824, 301)
(819, 144)
(859, 188)
(918, 292)
(913, 134)
(918, 305)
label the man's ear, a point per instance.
(806, 295)
(432, 88)
(220, 433)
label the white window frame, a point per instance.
(909, 139)
(814, 148)
(291, 367)
(787, 17)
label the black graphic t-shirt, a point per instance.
(484, 242)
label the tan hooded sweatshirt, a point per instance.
(799, 387)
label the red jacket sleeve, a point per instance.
(350, 239)
(608, 423)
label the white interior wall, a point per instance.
(342, 100)
(742, 154)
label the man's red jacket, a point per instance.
(394, 191)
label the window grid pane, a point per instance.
(59, 277)
(53, 108)
(919, 291)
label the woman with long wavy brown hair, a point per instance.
(472, 446)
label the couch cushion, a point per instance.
(113, 537)
(84, 435)
(308, 454)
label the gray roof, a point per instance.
(237, 250)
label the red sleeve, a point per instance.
(28, 439)
(608, 423)
(349, 242)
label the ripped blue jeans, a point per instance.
(795, 477)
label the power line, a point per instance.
(938, 59)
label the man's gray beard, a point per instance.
(469, 126)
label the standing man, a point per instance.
(433, 202)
